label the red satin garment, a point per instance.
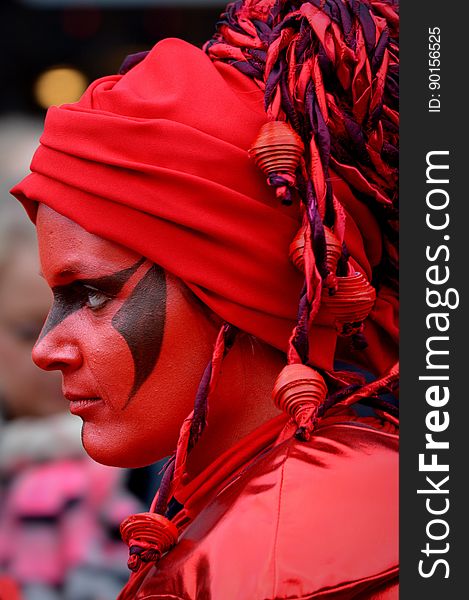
(303, 520)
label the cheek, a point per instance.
(110, 363)
(147, 428)
(167, 396)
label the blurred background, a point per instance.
(51, 48)
(59, 511)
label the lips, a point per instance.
(81, 403)
(73, 397)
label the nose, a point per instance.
(54, 352)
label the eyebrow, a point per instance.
(113, 282)
(73, 270)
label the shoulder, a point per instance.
(306, 520)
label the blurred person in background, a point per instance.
(59, 510)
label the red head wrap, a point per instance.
(156, 160)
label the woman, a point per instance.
(177, 271)
(59, 510)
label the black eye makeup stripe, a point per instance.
(140, 321)
(71, 297)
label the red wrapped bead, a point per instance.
(277, 151)
(148, 536)
(350, 305)
(333, 254)
(300, 391)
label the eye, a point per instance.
(95, 299)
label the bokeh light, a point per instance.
(59, 85)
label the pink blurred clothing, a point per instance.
(59, 516)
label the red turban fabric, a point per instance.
(156, 160)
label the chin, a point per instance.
(114, 450)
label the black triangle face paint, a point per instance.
(73, 296)
(141, 320)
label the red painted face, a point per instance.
(130, 340)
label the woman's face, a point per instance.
(130, 340)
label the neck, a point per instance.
(241, 402)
